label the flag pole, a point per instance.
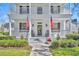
(9, 25)
(70, 23)
(49, 21)
(30, 24)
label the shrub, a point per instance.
(72, 36)
(72, 43)
(7, 37)
(13, 43)
(64, 43)
(55, 44)
(78, 42)
(4, 33)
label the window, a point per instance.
(58, 9)
(20, 9)
(28, 9)
(56, 27)
(52, 11)
(22, 26)
(24, 9)
(39, 10)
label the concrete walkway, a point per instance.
(40, 49)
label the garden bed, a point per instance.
(14, 48)
(65, 47)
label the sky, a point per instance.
(5, 9)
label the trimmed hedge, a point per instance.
(74, 36)
(64, 43)
(13, 43)
(4, 33)
(7, 37)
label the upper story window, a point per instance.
(28, 9)
(24, 9)
(58, 9)
(52, 10)
(55, 9)
(39, 10)
(20, 9)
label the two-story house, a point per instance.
(39, 16)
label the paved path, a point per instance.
(40, 49)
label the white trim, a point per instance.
(64, 25)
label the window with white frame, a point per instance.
(58, 9)
(22, 26)
(52, 9)
(39, 10)
(24, 9)
(55, 9)
(28, 9)
(56, 27)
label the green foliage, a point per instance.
(74, 36)
(64, 43)
(78, 42)
(55, 44)
(72, 43)
(66, 51)
(4, 33)
(7, 37)
(13, 43)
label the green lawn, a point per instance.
(14, 52)
(66, 51)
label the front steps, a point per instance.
(35, 40)
(40, 49)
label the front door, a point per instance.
(39, 29)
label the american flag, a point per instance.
(27, 24)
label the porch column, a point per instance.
(64, 25)
(70, 25)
